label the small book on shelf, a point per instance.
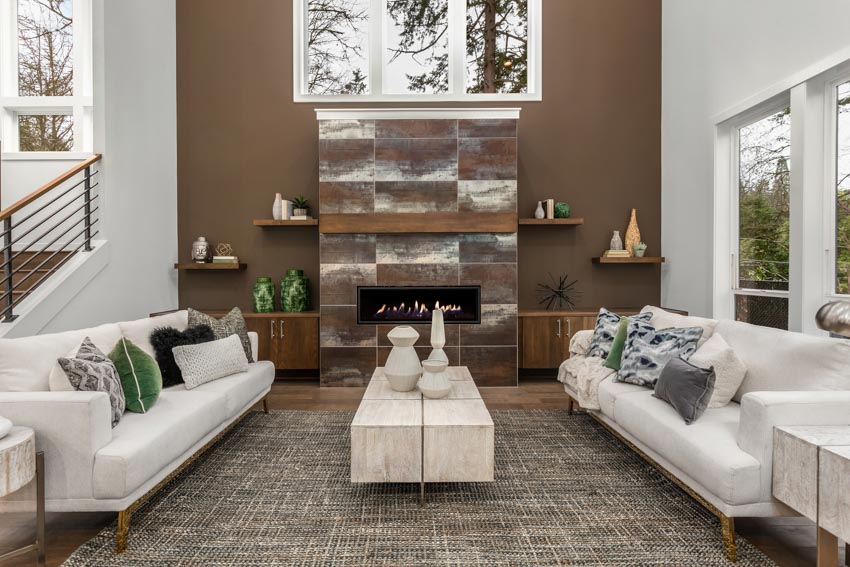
(300, 217)
(550, 208)
(225, 260)
(616, 254)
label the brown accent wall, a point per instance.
(594, 142)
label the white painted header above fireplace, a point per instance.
(417, 113)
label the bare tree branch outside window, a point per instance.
(336, 47)
(842, 186)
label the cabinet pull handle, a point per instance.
(569, 327)
(272, 326)
(559, 328)
(281, 327)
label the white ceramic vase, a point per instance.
(438, 336)
(616, 241)
(435, 381)
(277, 208)
(539, 213)
(403, 368)
(5, 427)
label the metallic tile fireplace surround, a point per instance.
(424, 197)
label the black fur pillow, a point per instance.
(164, 339)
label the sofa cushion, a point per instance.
(26, 363)
(239, 389)
(145, 443)
(780, 361)
(649, 349)
(663, 319)
(610, 390)
(92, 371)
(728, 368)
(139, 331)
(707, 450)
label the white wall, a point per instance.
(136, 131)
(716, 55)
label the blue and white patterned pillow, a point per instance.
(648, 350)
(606, 329)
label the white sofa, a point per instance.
(725, 458)
(89, 465)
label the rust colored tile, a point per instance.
(417, 249)
(487, 128)
(339, 328)
(339, 282)
(347, 366)
(491, 366)
(452, 335)
(488, 248)
(417, 274)
(498, 281)
(416, 128)
(347, 248)
(346, 197)
(415, 196)
(487, 158)
(452, 352)
(346, 129)
(416, 159)
(487, 196)
(346, 160)
(498, 327)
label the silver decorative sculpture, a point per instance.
(835, 318)
(201, 251)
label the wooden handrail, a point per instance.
(48, 187)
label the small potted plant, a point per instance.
(639, 249)
(300, 206)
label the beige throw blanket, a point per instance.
(584, 374)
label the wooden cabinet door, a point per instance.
(263, 327)
(297, 343)
(542, 342)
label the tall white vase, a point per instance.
(403, 368)
(435, 381)
(277, 208)
(438, 336)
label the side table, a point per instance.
(19, 465)
(804, 479)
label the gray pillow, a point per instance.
(607, 325)
(93, 371)
(648, 350)
(686, 387)
(231, 324)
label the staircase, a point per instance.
(44, 231)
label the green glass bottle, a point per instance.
(294, 292)
(264, 295)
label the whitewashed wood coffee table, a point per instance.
(405, 437)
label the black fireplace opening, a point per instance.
(460, 304)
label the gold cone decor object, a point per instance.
(632, 234)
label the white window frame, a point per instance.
(842, 75)
(79, 105)
(457, 59)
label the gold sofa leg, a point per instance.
(123, 531)
(266, 404)
(727, 526)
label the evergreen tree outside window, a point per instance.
(842, 191)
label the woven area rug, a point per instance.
(275, 491)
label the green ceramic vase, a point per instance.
(264, 295)
(294, 292)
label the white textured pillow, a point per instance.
(662, 319)
(728, 368)
(210, 361)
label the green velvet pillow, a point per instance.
(140, 376)
(616, 354)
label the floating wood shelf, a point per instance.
(378, 223)
(266, 223)
(644, 260)
(544, 222)
(209, 266)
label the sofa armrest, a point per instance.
(762, 411)
(255, 344)
(580, 343)
(70, 427)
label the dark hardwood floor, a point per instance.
(788, 541)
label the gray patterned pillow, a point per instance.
(605, 331)
(93, 371)
(231, 324)
(648, 350)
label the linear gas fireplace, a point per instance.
(387, 304)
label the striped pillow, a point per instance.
(140, 376)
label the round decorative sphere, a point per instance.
(562, 211)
